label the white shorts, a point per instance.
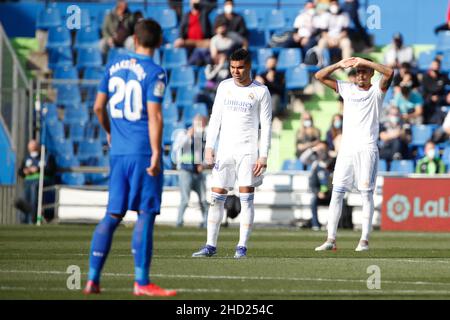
(358, 169)
(240, 167)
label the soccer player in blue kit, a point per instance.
(133, 88)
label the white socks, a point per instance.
(247, 217)
(215, 216)
(335, 210)
(367, 210)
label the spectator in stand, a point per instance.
(117, 27)
(405, 76)
(394, 137)
(336, 23)
(431, 163)
(225, 41)
(410, 103)
(442, 134)
(445, 26)
(434, 82)
(195, 31)
(275, 82)
(432, 110)
(306, 28)
(351, 8)
(234, 21)
(308, 136)
(334, 134)
(215, 72)
(398, 53)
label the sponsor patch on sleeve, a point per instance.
(159, 89)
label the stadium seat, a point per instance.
(73, 179)
(89, 149)
(402, 166)
(186, 96)
(63, 147)
(157, 57)
(201, 78)
(174, 58)
(65, 73)
(425, 59)
(89, 57)
(445, 65)
(290, 16)
(182, 76)
(48, 18)
(90, 89)
(191, 111)
(76, 132)
(66, 161)
(60, 57)
(55, 130)
(93, 73)
(446, 155)
(76, 114)
(382, 165)
(421, 134)
(274, 20)
(68, 94)
(443, 41)
(170, 112)
(262, 54)
(58, 37)
(87, 37)
(167, 18)
(99, 178)
(292, 165)
(289, 58)
(251, 19)
(170, 35)
(113, 52)
(258, 39)
(297, 78)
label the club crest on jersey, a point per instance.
(251, 96)
(159, 89)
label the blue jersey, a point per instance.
(130, 81)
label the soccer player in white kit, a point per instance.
(357, 161)
(241, 106)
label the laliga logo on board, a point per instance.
(399, 207)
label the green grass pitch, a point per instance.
(282, 264)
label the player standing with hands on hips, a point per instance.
(133, 88)
(357, 161)
(240, 107)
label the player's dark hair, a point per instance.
(241, 54)
(148, 33)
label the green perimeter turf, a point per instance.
(281, 264)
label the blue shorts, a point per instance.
(131, 187)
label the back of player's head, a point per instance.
(148, 33)
(241, 55)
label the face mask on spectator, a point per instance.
(431, 154)
(394, 119)
(337, 124)
(311, 11)
(334, 9)
(228, 9)
(307, 123)
(34, 154)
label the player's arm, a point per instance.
(324, 75)
(213, 129)
(155, 127)
(386, 72)
(265, 120)
(101, 112)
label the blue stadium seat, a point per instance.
(402, 166)
(292, 165)
(89, 57)
(446, 155)
(201, 78)
(425, 59)
(93, 73)
(157, 57)
(186, 96)
(66, 161)
(251, 19)
(60, 57)
(63, 147)
(191, 111)
(58, 37)
(73, 179)
(169, 128)
(290, 16)
(113, 52)
(297, 78)
(274, 20)
(89, 149)
(87, 37)
(49, 109)
(443, 41)
(55, 130)
(76, 132)
(262, 55)
(68, 94)
(289, 58)
(258, 39)
(174, 58)
(65, 73)
(382, 165)
(167, 18)
(170, 35)
(47, 18)
(182, 76)
(99, 178)
(76, 114)
(421, 134)
(90, 89)
(445, 65)
(170, 112)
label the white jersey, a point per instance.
(362, 111)
(236, 116)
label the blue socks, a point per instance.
(100, 245)
(142, 247)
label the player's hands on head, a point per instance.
(155, 166)
(209, 157)
(347, 63)
(260, 167)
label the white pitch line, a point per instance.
(222, 277)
